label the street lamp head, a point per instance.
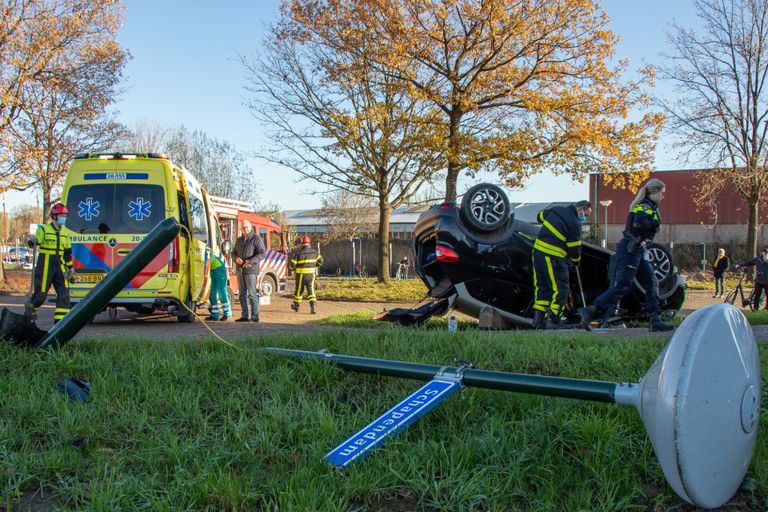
(606, 202)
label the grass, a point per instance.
(192, 425)
(370, 290)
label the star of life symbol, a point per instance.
(88, 209)
(139, 209)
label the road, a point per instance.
(276, 317)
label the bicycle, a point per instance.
(401, 272)
(747, 300)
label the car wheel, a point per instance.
(663, 268)
(485, 207)
(185, 316)
(268, 286)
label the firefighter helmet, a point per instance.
(58, 209)
(305, 240)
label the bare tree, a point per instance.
(337, 121)
(348, 215)
(721, 117)
(144, 136)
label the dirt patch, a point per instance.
(16, 282)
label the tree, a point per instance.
(348, 215)
(38, 39)
(220, 166)
(721, 118)
(337, 121)
(516, 86)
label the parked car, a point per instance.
(478, 256)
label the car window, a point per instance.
(197, 215)
(115, 208)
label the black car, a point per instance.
(478, 256)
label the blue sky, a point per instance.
(184, 70)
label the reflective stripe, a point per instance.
(554, 231)
(552, 278)
(549, 248)
(577, 243)
(305, 270)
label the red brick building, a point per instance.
(683, 220)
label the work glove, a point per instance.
(71, 275)
(32, 241)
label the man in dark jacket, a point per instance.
(248, 253)
(557, 247)
(761, 276)
(305, 262)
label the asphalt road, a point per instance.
(277, 317)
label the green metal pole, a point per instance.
(596, 391)
(98, 298)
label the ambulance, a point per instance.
(114, 200)
(273, 269)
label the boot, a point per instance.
(295, 306)
(539, 319)
(29, 312)
(656, 324)
(588, 314)
(312, 308)
(554, 322)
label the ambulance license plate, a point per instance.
(88, 278)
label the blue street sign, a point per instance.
(393, 421)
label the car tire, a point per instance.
(185, 316)
(485, 208)
(268, 286)
(663, 268)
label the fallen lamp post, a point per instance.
(699, 402)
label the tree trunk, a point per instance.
(454, 164)
(385, 212)
(751, 246)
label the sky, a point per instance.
(185, 71)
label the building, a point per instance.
(683, 220)
(402, 221)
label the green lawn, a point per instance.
(184, 425)
(370, 290)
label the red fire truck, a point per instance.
(274, 267)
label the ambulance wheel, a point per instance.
(268, 286)
(184, 315)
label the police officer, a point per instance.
(556, 248)
(305, 261)
(632, 262)
(54, 263)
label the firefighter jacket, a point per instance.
(251, 250)
(305, 260)
(53, 242)
(761, 269)
(560, 234)
(643, 221)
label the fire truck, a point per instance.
(273, 268)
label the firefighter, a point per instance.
(557, 247)
(632, 262)
(305, 261)
(54, 263)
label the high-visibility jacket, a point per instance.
(53, 242)
(560, 233)
(643, 221)
(305, 260)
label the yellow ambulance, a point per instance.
(114, 200)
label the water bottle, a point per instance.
(452, 324)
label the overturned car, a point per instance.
(476, 259)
